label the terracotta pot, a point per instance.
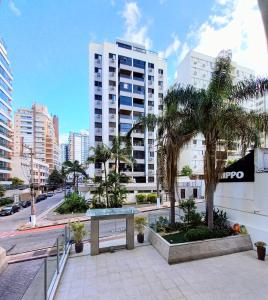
(79, 247)
(261, 251)
(140, 237)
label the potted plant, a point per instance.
(261, 250)
(79, 233)
(140, 222)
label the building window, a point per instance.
(112, 111)
(150, 65)
(98, 138)
(150, 103)
(124, 100)
(98, 111)
(125, 127)
(150, 167)
(160, 72)
(125, 60)
(127, 87)
(151, 154)
(97, 165)
(194, 142)
(112, 97)
(98, 97)
(195, 193)
(150, 179)
(139, 63)
(121, 45)
(182, 193)
(203, 142)
(98, 56)
(139, 168)
(112, 56)
(138, 154)
(98, 125)
(98, 83)
(138, 89)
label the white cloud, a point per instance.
(184, 50)
(238, 26)
(64, 138)
(12, 6)
(134, 32)
(171, 48)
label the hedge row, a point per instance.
(146, 198)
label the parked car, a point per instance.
(50, 194)
(9, 210)
(40, 198)
(25, 203)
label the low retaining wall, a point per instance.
(174, 253)
(3, 260)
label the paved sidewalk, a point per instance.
(143, 274)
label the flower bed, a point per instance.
(187, 251)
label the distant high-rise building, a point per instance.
(64, 153)
(37, 129)
(6, 79)
(78, 146)
(126, 81)
(196, 69)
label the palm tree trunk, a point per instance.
(172, 207)
(74, 180)
(210, 179)
(64, 187)
(106, 186)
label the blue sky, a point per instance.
(48, 42)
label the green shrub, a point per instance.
(191, 218)
(95, 203)
(152, 198)
(5, 201)
(141, 198)
(73, 204)
(203, 233)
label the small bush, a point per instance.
(152, 198)
(203, 233)
(191, 217)
(73, 204)
(96, 204)
(6, 201)
(141, 198)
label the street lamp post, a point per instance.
(33, 209)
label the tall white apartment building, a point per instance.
(6, 144)
(37, 129)
(196, 69)
(126, 81)
(78, 148)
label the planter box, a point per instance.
(174, 253)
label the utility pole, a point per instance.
(31, 183)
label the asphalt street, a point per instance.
(11, 223)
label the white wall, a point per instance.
(246, 203)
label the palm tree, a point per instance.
(75, 168)
(120, 153)
(101, 154)
(219, 116)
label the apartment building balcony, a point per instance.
(139, 70)
(98, 90)
(98, 62)
(150, 109)
(97, 76)
(139, 95)
(98, 104)
(5, 170)
(138, 133)
(112, 117)
(98, 131)
(112, 131)
(125, 67)
(138, 107)
(130, 174)
(151, 172)
(112, 89)
(112, 62)
(125, 118)
(138, 147)
(112, 103)
(98, 118)
(150, 134)
(139, 160)
(151, 83)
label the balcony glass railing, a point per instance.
(126, 117)
(138, 78)
(125, 76)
